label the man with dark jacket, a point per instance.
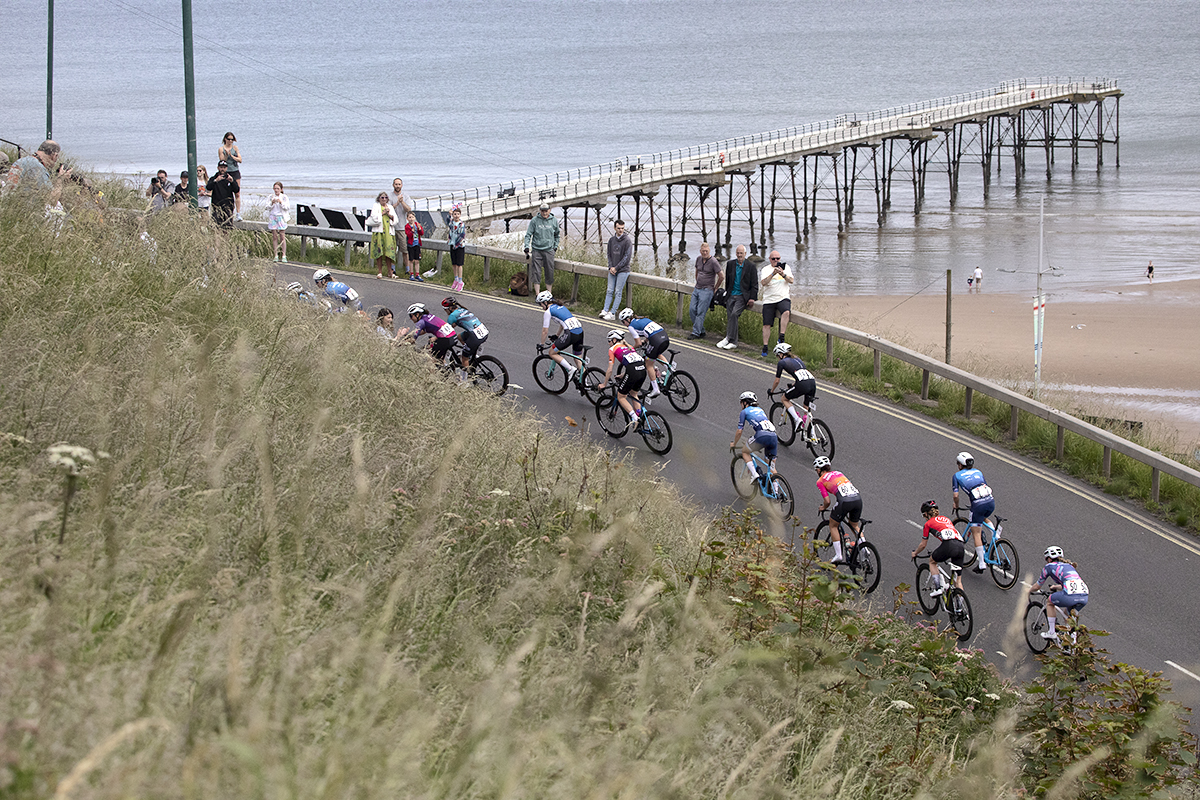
(222, 187)
(741, 290)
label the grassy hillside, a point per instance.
(292, 562)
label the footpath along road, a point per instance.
(1137, 568)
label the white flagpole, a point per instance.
(1039, 305)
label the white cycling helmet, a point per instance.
(965, 459)
(782, 349)
(1053, 551)
(625, 315)
(294, 287)
(749, 397)
(616, 335)
(545, 297)
(820, 462)
(417, 308)
(322, 275)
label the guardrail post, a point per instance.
(575, 288)
(878, 365)
(1012, 422)
(346, 260)
(970, 395)
(829, 350)
(678, 306)
(924, 384)
(1107, 466)
(438, 265)
(1154, 473)
(1058, 445)
(303, 246)
(487, 269)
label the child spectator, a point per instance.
(203, 197)
(456, 234)
(413, 233)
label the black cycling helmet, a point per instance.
(927, 506)
(450, 303)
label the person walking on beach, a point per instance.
(708, 276)
(620, 254)
(223, 189)
(456, 237)
(542, 237)
(232, 156)
(741, 290)
(1150, 271)
(777, 280)
(383, 221)
(277, 221)
(978, 279)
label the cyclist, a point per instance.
(653, 336)
(1072, 593)
(337, 290)
(836, 486)
(804, 385)
(474, 333)
(305, 296)
(983, 505)
(632, 371)
(950, 547)
(441, 333)
(570, 331)
(763, 437)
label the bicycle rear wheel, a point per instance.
(490, 374)
(785, 426)
(744, 483)
(549, 374)
(656, 432)
(592, 378)
(683, 392)
(960, 613)
(1035, 623)
(924, 584)
(610, 415)
(864, 562)
(1004, 564)
(820, 440)
(783, 499)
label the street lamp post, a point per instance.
(1039, 301)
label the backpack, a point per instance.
(519, 285)
(719, 298)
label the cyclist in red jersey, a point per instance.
(950, 544)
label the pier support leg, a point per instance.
(750, 211)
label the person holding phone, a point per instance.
(776, 280)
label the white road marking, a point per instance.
(1187, 672)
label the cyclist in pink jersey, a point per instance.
(836, 488)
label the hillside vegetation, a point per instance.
(250, 551)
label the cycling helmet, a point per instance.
(417, 308)
(927, 506)
(616, 335)
(545, 297)
(449, 303)
(749, 397)
(625, 315)
(294, 287)
(821, 462)
(965, 459)
(1053, 551)
(782, 349)
(322, 275)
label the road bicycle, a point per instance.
(814, 432)
(999, 554)
(551, 376)
(653, 429)
(678, 385)
(952, 599)
(861, 556)
(486, 372)
(1037, 621)
(770, 484)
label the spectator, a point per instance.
(403, 205)
(223, 189)
(542, 237)
(741, 290)
(32, 173)
(413, 231)
(277, 221)
(181, 194)
(456, 237)
(203, 198)
(160, 191)
(620, 254)
(383, 221)
(776, 281)
(708, 276)
(232, 156)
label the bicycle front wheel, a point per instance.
(781, 495)
(785, 426)
(549, 374)
(1004, 564)
(960, 614)
(924, 584)
(656, 432)
(864, 562)
(592, 378)
(820, 439)
(1035, 623)
(610, 415)
(683, 392)
(490, 374)
(744, 483)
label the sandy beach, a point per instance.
(1129, 352)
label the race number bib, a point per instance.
(846, 489)
(1075, 586)
(480, 330)
(981, 492)
(652, 328)
(633, 358)
(445, 331)
(571, 324)
(803, 375)
(765, 425)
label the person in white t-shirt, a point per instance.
(978, 278)
(776, 279)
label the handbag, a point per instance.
(719, 298)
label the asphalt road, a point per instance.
(1137, 569)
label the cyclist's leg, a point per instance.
(853, 517)
(749, 446)
(979, 514)
(623, 399)
(836, 514)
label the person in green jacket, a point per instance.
(542, 237)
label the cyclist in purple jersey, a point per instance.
(441, 333)
(1072, 593)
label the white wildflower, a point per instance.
(900, 705)
(972, 700)
(71, 458)
(499, 493)
(736, 600)
(992, 696)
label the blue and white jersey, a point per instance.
(643, 327)
(469, 323)
(1065, 575)
(756, 418)
(564, 316)
(348, 297)
(971, 481)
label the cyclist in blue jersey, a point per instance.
(970, 482)
(762, 436)
(632, 374)
(474, 333)
(305, 296)
(441, 333)
(570, 331)
(649, 333)
(337, 290)
(1072, 593)
(804, 385)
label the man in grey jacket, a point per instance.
(542, 237)
(620, 255)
